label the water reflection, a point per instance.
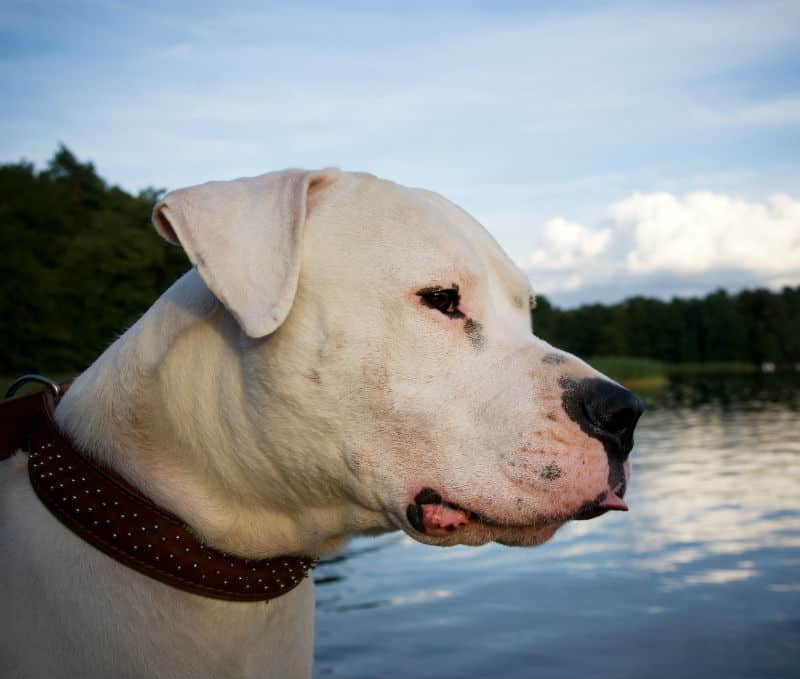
(701, 578)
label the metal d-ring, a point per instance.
(20, 381)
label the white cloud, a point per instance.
(566, 245)
(664, 244)
(706, 231)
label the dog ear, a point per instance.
(244, 237)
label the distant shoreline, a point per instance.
(647, 373)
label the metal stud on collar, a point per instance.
(18, 383)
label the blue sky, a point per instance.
(613, 149)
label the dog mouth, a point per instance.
(605, 502)
(431, 515)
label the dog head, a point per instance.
(386, 339)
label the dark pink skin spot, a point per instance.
(474, 332)
(550, 472)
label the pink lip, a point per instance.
(614, 502)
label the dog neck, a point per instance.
(167, 407)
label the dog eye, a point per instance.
(445, 300)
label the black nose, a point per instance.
(603, 410)
(612, 408)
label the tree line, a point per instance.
(754, 326)
(79, 262)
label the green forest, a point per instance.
(79, 262)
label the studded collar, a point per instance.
(110, 514)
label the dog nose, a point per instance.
(604, 410)
(612, 408)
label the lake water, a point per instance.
(700, 579)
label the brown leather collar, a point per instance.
(110, 514)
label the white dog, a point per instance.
(348, 356)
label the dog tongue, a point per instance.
(613, 501)
(440, 519)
